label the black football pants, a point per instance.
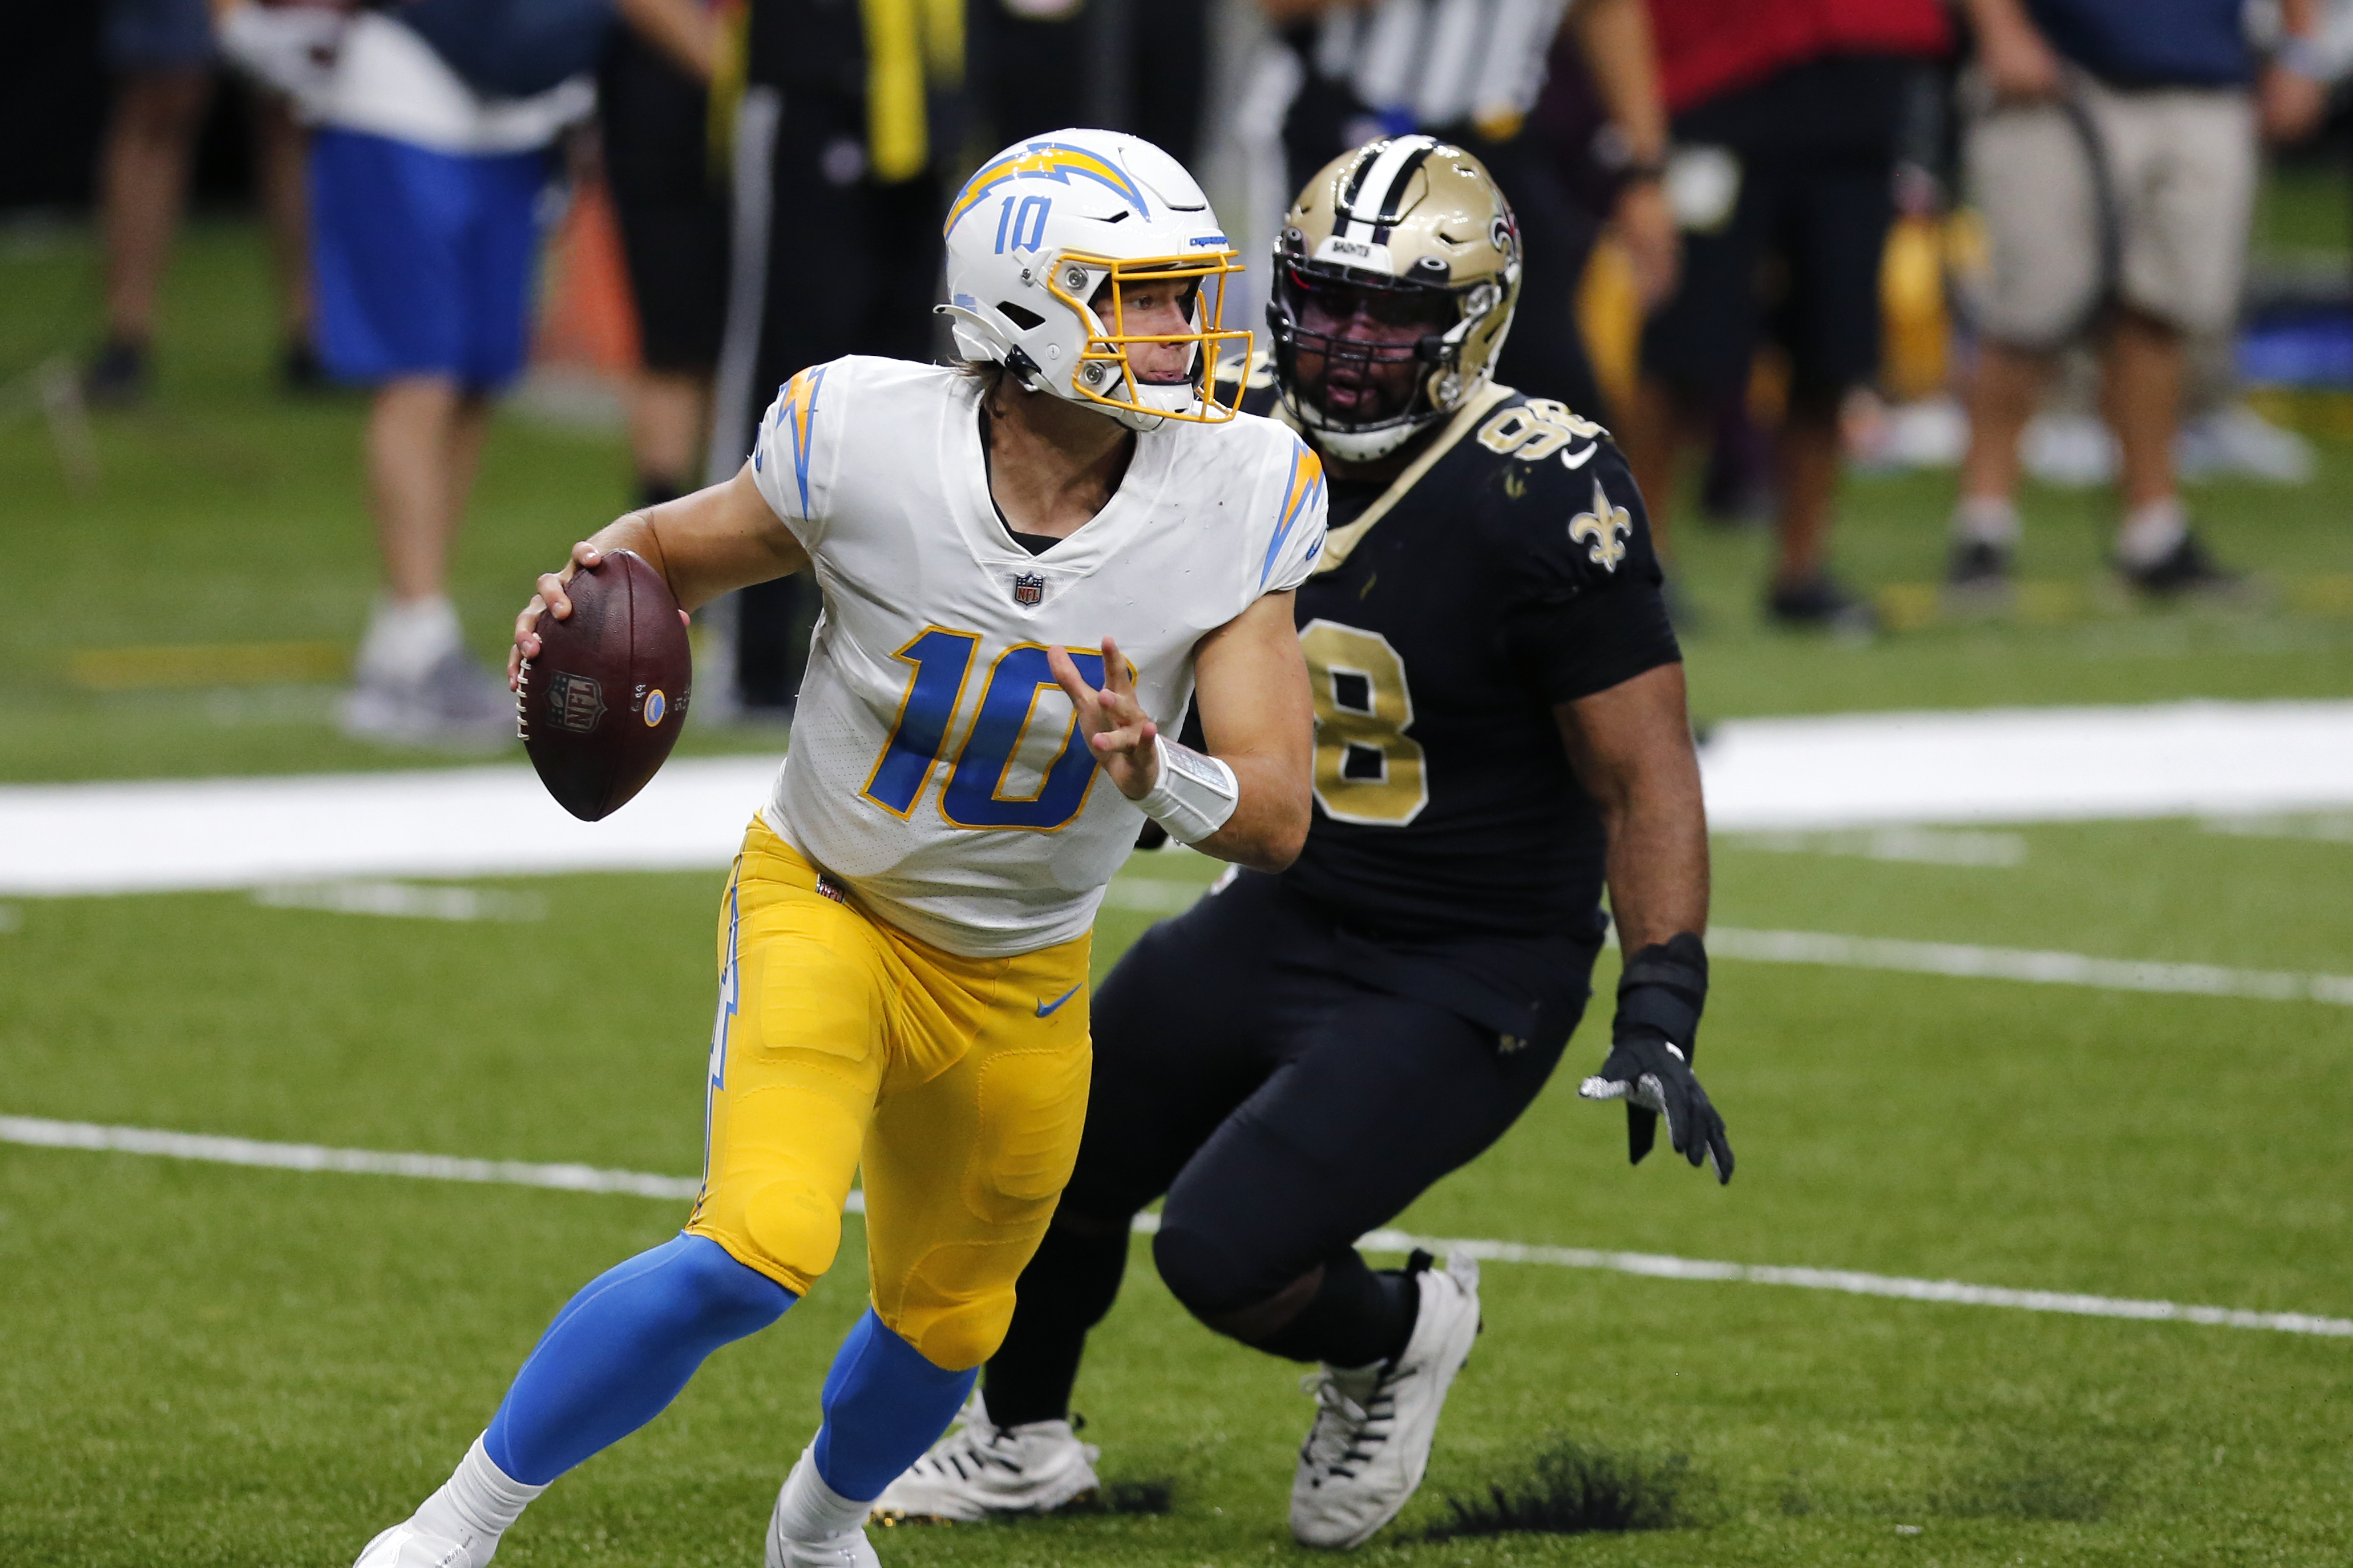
(1289, 1086)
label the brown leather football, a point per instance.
(601, 706)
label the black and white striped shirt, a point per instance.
(1433, 63)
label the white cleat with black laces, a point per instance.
(981, 1470)
(1370, 1444)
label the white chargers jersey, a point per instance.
(937, 770)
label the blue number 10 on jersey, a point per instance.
(974, 795)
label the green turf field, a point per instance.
(221, 1366)
(203, 1364)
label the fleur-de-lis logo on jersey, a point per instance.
(1605, 526)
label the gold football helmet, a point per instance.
(1409, 229)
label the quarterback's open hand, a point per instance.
(1118, 731)
(1653, 1077)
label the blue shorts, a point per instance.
(422, 260)
(158, 35)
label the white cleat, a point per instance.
(814, 1526)
(407, 1546)
(1370, 1444)
(980, 1470)
(850, 1549)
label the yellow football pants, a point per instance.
(959, 1084)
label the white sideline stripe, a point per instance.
(2028, 964)
(1860, 770)
(2028, 764)
(40, 1132)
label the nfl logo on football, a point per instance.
(578, 701)
(1028, 588)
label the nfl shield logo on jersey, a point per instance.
(1028, 588)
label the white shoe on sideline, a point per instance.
(1370, 1444)
(456, 704)
(981, 1470)
(407, 1546)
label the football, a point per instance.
(601, 706)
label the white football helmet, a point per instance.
(1041, 242)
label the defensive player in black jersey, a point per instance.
(1499, 732)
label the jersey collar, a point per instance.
(1340, 540)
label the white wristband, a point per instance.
(1195, 794)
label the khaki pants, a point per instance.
(2180, 167)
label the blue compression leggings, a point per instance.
(622, 1348)
(884, 1404)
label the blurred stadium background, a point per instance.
(2054, 1003)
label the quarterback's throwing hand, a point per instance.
(550, 597)
(1653, 1077)
(1118, 731)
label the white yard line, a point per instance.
(2035, 967)
(403, 900)
(1860, 770)
(1924, 846)
(1962, 960)
(43, 1133)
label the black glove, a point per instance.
(1660, 998)
(1653, 1077)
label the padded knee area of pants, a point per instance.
(1207, 1276)
(793, 1228)
(962, 1336)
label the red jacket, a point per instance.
(1709, 47)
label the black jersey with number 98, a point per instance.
(1453, 609)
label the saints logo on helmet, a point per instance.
(1396, 274)
(1050, 245)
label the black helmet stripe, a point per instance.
(1375, 190)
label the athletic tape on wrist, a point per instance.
(1196, 792)
(1665, 987)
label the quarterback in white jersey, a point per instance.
(932, 745)
(1029, 564)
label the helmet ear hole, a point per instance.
(1027, 320)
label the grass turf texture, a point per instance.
(230, 514)
(211, 1365)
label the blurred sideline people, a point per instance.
(2112, 149)
(1471, 71)
(428, 165)
(849, 125)
(1122, 65)
(1786, 120)
(655, 112)
(163, 59)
